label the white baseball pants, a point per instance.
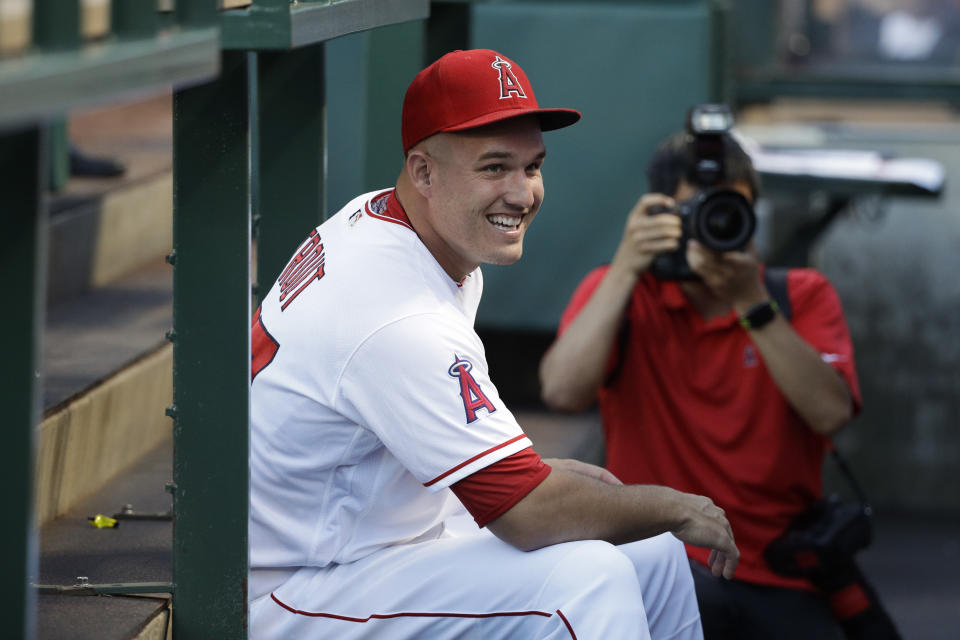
(479, 587)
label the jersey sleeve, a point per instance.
(421, 384)
(494, 490)
(817, 317)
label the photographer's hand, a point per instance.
(647, 234)
(734, 277)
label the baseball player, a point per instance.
(376, 432)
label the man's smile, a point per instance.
(505, 222)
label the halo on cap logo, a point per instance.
(509, 85)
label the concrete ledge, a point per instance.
(136, 226)
(97, 240)
(90, 438)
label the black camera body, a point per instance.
(719, 218)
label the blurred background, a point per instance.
(878, 80)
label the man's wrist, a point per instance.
(623, 274)
(759, 315)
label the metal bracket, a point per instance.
(84, 588)
(128, 513)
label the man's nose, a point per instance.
(524, 191)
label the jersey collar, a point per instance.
(385, 206)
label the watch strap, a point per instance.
(759, 315)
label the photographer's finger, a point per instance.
(654, 203)
(658, 245)
(650, 203)
(663, 223)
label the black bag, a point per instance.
(820, 545)
(828, 533)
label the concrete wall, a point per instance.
(895, 264)
(898, 278)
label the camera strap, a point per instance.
(849, 477)
(775, 278)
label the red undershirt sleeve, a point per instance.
(492, 491)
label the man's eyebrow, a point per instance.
(505, 155)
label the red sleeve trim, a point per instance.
(476, 457)
(494, 490)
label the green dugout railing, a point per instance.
(55, 68)
(249, 143)
(249, 152)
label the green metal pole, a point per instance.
(56, 24)
(56, 27)
(58, 143)
(396, 56)
(196, 13)
(134, 18)
(289, 119)
(211, 355)
(23, 269)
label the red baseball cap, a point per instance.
(467, 89)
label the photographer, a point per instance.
(703, 384)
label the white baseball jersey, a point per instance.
(370, 394)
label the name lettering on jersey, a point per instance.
(306, 266)
(470, 392)
(509, 85)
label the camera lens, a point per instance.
(724, 224)
(723, 220)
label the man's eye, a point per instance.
(493, 168)
(533, 168)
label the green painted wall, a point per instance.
(632, 69)
(367, 75)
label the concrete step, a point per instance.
(136, 551)
(107, 379)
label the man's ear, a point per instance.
(420, 166)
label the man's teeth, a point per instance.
(505, 222)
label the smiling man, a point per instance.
(376, 432)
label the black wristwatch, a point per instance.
(759, 315)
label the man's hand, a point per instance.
(580, 501)
(732, 276)
(705, 525)
(646, 234)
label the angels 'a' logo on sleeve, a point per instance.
(470, 391)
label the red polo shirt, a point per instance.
(694, 408)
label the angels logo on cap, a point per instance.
(508, 82)
(456, 93)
